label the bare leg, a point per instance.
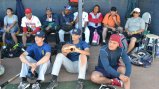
(98, 78)
(14, 38)
(4, 38)
(132, 44)
(121, 69)
(24, 39)
(104, 33)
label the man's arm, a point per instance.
(127, 63)
(44, 59)
(104, 60)
(84, 52)
(23, 58)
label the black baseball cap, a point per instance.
(113, 9)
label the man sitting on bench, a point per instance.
(31, 24)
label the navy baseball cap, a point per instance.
(48, 8)
(76, 31)
(40, 34)
(68, 7)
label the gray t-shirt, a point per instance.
(134, 24)
(10, 20)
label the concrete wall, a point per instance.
(151, 6)
(39, 6)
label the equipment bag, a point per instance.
(141, 58)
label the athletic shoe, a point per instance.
(79, 85)
(36, 86)
(106, 87)
(117, 82)
(52, 84)
(23, 85)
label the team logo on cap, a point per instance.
(38, 33)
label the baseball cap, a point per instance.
(116, 37)
(113, 9)
(136, 10)
(76, 31)
(48, 8)
(40, 34)
(68, 7)
(28, 11)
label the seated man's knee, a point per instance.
(83, 58)
(95, 76)
(59, 55)
(133, 39)
(61, 31)
(121, 69)
(105, 29)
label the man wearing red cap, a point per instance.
(109, 70)
(31, 24)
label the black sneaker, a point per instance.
(79, 85)
(52, 84)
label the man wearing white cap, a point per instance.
(134, 27)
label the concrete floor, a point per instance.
(141, 78)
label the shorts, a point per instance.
(137, 36)
(105, 73)
(14, 29)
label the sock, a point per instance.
(24, 79)
(54, 77)
(80, 80)
(38, 81)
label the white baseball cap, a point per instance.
(136, 10)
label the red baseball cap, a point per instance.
(116, 37)
(28, 11)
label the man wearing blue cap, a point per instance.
(36, 57)
(66, 22)
(74, 58)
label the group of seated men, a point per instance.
(75, 53)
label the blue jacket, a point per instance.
(108, 60)
(55, 18)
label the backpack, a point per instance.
(11, 51)
(96, 38)
(124, 43)
(141, 58)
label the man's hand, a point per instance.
(7, 29)
(113, 29)
(47, 28)
(114, 18)
(33, 67)
(123, 78)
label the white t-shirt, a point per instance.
(32, 23)
(84, 18)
